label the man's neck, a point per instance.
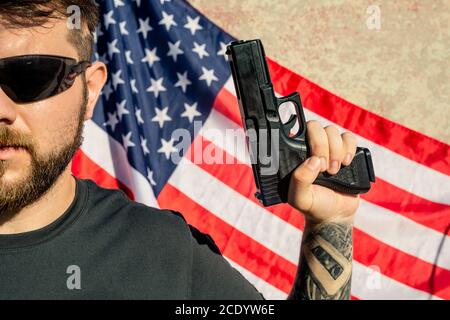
(45, 210)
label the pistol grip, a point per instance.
(354, 178)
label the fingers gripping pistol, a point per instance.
(274, 151)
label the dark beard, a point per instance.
(45, 170)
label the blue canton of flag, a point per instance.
(166, 65)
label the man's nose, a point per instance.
(8, 110)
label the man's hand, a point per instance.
(325, 265)
(329, 150)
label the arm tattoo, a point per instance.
(325, 267)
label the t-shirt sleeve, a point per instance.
(213, 277)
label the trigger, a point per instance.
(288, 125)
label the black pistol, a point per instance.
(274, 151)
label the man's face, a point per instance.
(46, 133)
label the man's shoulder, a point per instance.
(115, 211)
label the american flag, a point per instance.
(168, 70)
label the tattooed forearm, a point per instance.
(325, 267)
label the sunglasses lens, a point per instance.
(32, 78)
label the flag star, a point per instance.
(133, 86)
(167, 20)
(150, 57)
(144, 27)
(122, 109)
(138, 2)
(112, 48)
(126, 140)
(123, 28)
(200, 50)
(107, 90)
(174, 50)
(116, 79)
(208, 76)
(223, 50)
(150, 177)
(190, 112)
(108, 19)
(161, 116)
(183, 81)
(144, 146)
(193, 24)
(162, 1)
(128, 57)
(138, 114)
(167, 147)
(156, 86)
(118, 3)
(112, 121)
(103, 58)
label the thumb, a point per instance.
(300, 190)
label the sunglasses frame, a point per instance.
(72, 70)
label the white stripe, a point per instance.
(398, 232)
(261, 225)
(241, 213)
(395, 168)
(266, 289)
(218, 122)
(370, 284)
(109, 154)
(404, 234)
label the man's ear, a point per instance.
(96, 76)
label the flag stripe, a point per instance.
(404, 141)
(390, 166)
(430, 214)
(405, 230)
(84, 168)
(368, 284)
(400, 266)
(268, 291)
(435, 215)
(242, 214)
(265, 228)
(237, 176)
(420, 271)
(234, 244)
(404, 234)
(113, 159)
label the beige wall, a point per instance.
(401, 71)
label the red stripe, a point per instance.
(233, 244)
(430, 214)
(401, 266)
(420, 210)
(407, 142)
(393, 262)
(84, 168)
(239, 177)
(226, 103)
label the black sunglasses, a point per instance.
(31, 78)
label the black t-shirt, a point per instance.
(106, 246)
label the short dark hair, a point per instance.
(33, 13)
